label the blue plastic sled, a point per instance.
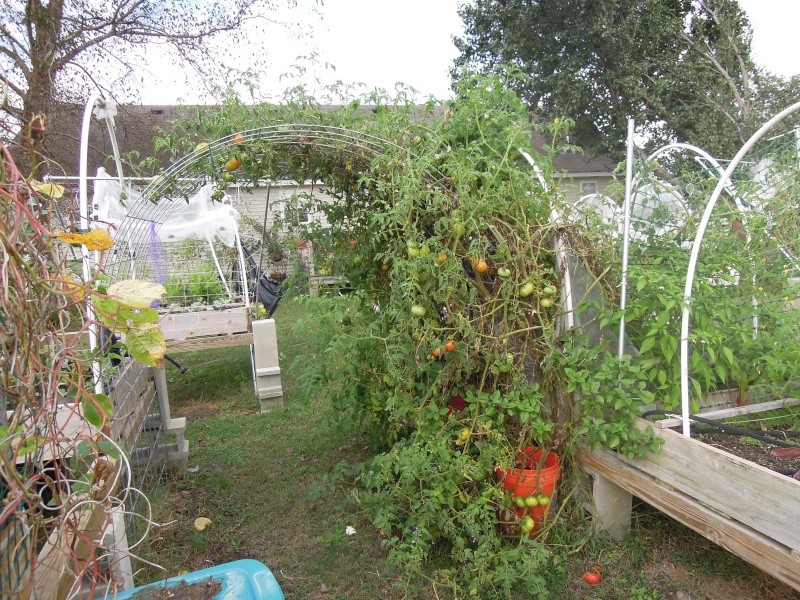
(240, 580)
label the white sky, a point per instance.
(382, 42)
(776, 39)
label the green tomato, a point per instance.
(519, 501)
(413, 252)
(526, 290)
(417, 310)
(527, 524)
(543, 499)
(549, 290)
(357, 261)
(546, 302)
(459, 229)
(424, 250)
(531, 501)
(503, 272)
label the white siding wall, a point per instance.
(252, 202)
(572, 186)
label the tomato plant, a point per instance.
(455, 242)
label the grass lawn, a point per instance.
(276, 489)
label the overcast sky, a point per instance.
(382, 42)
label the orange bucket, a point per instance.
(526, 480)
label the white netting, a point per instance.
(189, 246)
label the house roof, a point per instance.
(137, 125)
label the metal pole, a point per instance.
(626, 209)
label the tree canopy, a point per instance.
(681, 68)
(59, 49)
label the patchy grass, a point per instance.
(275, 487)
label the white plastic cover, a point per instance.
(199, 218)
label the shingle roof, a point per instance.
(136, 125)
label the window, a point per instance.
(296, 215)
(588, 187)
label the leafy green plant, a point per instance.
(742, 335)
(202, 285)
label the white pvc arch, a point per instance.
(690, 274)
(103, 110)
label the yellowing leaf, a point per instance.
(200, 523)
(146, 344)
(53, 190)
(118, 316)
(97, 239)
(137, 293)
(71, 286)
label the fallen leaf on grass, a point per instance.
(200, 523)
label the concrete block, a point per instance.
(268, 404)
(265, 343)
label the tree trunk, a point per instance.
(43, 24)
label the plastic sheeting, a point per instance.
(199, 218)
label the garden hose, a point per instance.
(174, 362)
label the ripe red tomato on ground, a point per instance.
(592, 578)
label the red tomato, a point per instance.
(592, 577)
(450, 346)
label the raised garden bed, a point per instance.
(206, 328)
(743, 507)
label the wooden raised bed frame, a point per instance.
(201, 329)
(743, 507)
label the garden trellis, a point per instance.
(738, 292)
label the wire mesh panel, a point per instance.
(188, 246)
(282, 151)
